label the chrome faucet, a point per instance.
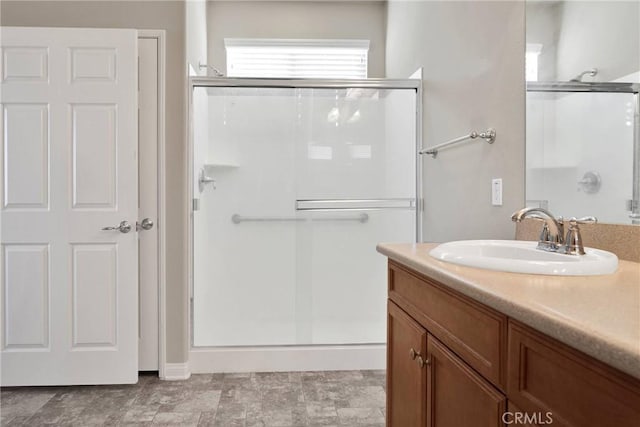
(551, 237)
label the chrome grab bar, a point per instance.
(489, 135)
(237, 219)
(324, 205)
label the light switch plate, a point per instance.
(496, 192)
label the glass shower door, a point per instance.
(307, 182)
(356, 183)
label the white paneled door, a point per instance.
(69, 158)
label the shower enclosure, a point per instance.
(583, 149)
(294, 184)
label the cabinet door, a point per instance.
(406, 379)
(546, 376)
(457, 395)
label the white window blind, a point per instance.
(293, 58)
(531, 61)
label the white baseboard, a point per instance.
(176, 371)
(282, 359)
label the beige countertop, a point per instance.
(598, 315)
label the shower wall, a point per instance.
(267, 271)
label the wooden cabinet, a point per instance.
(456, 395)
(407, 388)
(473, 331)
(546, 376)
(430, 385)
(453, 362)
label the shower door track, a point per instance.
(321, 357)
(306, 83)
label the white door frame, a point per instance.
(160, 36)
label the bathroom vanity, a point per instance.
(474, 347)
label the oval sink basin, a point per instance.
(522, 257)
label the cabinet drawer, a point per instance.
(545, 375)
(475, 332)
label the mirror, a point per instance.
(582, 106)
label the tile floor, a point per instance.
(287, 399)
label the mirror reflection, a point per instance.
(583, 76)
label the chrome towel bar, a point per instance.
(324, 205)
(237, 219)
(489, 135)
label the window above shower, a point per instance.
(297, 58)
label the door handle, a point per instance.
(146, 224)
(123, 227)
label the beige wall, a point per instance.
(473, 58)
(196, 34)
(600, 34)
(160, 15)
(302, 19)
(580, 35)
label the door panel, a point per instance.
(94, 155)
(26, 296)
(546, 376)
(94, 278)
(26, 162)
(93, 65)
(406, 386)
(458, 396)
(26, 64)
(69, 126)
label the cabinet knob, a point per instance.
(423, 362)
(413, 354)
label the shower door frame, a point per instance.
(289, 357)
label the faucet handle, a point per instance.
(573, 240)
(584, 220)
